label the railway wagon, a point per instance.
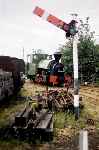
(11, 79)
(6, 84)
(19, 71)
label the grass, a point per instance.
(66, 127)
(64, 123)
(9, 110)
(14, 145)
(8, 113)
(62, 120)
(59, 120)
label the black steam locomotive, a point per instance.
(49, 71)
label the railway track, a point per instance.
(89, 95)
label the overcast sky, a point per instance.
(19, 27)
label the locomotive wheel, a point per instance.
(39, 79)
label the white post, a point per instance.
(83, 140)
(76, 84)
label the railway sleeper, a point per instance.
(38, 117)
(28, 118)
(45, 121)
(48, 133)
(43, 128)
(42, 133)
(23, 117)
(39, 128)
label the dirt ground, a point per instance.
(66, 129)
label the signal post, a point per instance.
(76, 83)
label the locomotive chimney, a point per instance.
(57, 56)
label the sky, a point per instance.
(20, 28)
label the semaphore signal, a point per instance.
(70, 30)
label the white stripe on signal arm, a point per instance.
(45, 15)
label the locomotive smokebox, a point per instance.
(57, 56)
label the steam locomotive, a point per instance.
(49, 71)
(12, 72)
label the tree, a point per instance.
(67, 57)
(86, 52)
(97, 62)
